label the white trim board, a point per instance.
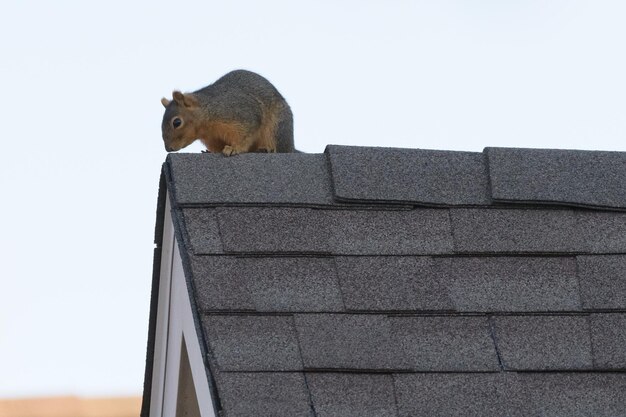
(175, 326)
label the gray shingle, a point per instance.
(573, 394)
(603, 232)
(291, 284)
(530, 343)
(392, 232)
(608, 335)
(253, 343)
(602, 281)
(588, 178)
(445, 344)
(344, 341)
(270, 284)
(273, 230)
(391, 283)
(516, 231)
(203, 231)
(454, 395)
(352, 395)
(358, 232)
(208, 179)
(492, 284)
(218, 285)
(408, 175)
(264, 394)
(511, 394)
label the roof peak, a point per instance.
(378, 176)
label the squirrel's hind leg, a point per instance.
(229, 151)
(247, 144)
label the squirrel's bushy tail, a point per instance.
(284, 133)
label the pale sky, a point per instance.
(81, 142)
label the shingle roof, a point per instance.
(404, 282)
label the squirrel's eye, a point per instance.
(177, 122)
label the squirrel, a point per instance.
(240, 112)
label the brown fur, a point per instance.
(231, 138)
(269, 127)
(219, 134)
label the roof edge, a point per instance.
(166, 188)
(154, 295)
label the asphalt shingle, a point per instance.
(342, 232)
(510, 284)
(508, 394)
(202, 231)
(391, 283)
(344, 341)
(400, 232)
(586, 178)
(445, 344)
(453, 395)
(516, 231)
(209, 179)
(264, 394)
(291, 283)
(253, 343)
(603, 232)
(602, 281)
(273, 230)
(352, 395)
(573, 394)
(544, 343)
(408, 175)
(608, 336)
(218, 286)
(266, 284)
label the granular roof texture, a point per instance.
(405, 282)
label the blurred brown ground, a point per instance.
(71, 407)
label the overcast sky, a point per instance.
(81, 142)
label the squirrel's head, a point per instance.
(179, 127)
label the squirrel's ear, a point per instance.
(165, 102)
(187, 100)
